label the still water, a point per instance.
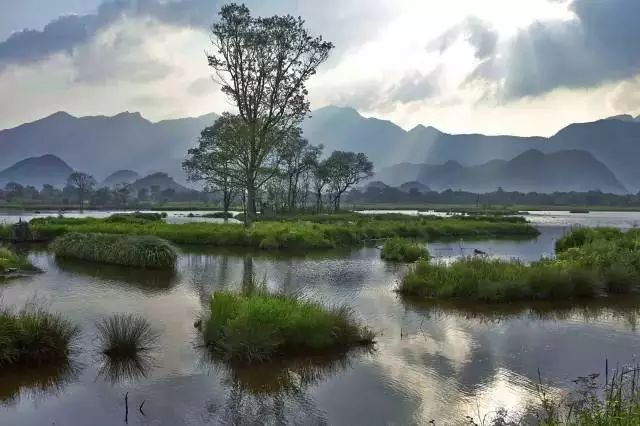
(440, 362)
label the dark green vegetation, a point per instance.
(33, 337)
(402, 250)
(258, 326)
(588, 262)
(10, 262)
(309, 232)
(125, 336)
(127, 250)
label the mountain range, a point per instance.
(128, 141)
(531, 171)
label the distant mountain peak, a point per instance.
(623, 117)
(37, 171)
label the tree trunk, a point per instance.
(251, 205)
(81, 200)
(336, 203)
(318, 201)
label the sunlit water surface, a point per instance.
(440, 362)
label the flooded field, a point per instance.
(431, 361)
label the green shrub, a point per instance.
(33, 337)
(137, 217)
(125, 335)
(401, 250)
(259, 326)
(138, 251)
(12, 261)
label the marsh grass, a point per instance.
(588, 263)
(126, 250)
(33, 337)
(319, 233)
(402, 250)
(9, 261)
(258, 326)
(125, 336)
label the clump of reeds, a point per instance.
(257, 326)
(402, 250)
(126, 336)
(34, 337)
(126, 250)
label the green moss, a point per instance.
(126, 250)
(258, 326)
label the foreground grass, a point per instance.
(259, 326)
(33, 337)
(323, 232)
(12, 262)
(139, 251)
(402, 250)
(588, 263)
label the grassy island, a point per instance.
(258, 326)
(302, 232)
(588, 263)
(126, 250)
(402, 250)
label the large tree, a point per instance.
(263, 65)
(345, 169)
(298, 157)
(83, 184)
(214, 162)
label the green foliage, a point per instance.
(10, 261)
(126, 250)
(33, 337)
(125, 336)
(324, 232)
(258, 326)
(137, 217)
(588, 262)
(402, 250)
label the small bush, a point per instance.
(258, 326)
(137, 217)
(125, 336)
(401, 250)
(34, 337)
(12, 261)
(139, 251)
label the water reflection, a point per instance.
(117, 370)
(35, 383)
(605, 309)
(145, 280)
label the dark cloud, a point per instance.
(415, 87)
(66, 33)
(476, 32)
(601, 45)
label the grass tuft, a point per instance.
(259, 326)
(125, 336)
(126, 250)
(34, 337)
(402, 250)
(10, 261)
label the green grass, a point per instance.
(10, 261)
(126, 250)
(588, 263)
(325, 231)
(259, 326)
(34, 337)
(402, 250)
(125, 336)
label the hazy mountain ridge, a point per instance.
(129, 141)
(531, 171)
(37, 171)
(124, 141)
(120, 177)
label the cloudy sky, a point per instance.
(525, 67)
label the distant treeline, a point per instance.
(391, 195)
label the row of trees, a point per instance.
(258, 153)
(80, 189)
